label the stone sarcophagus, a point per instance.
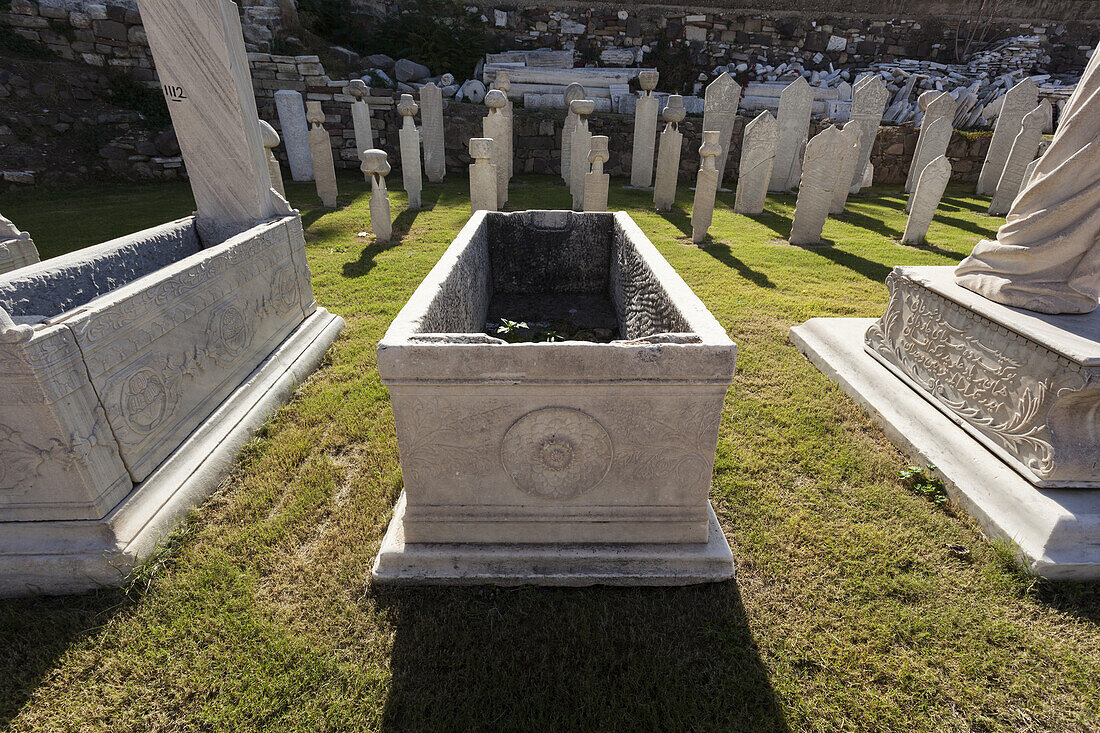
(555, 461)
(113, 360)
(1025, 384)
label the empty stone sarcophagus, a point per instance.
(555, 461)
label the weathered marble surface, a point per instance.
(292, 121)
(846, 161)
(572, 92)
(596, 181)
(553, 456)
(1020, 157)
(706, 185)
(360, 117)
(483, 175)
(1018, 101)
(926, 199)
(1046, 257)
(16, 247)
(645, 131)
(758, 148)
(815, 190)
(200, 57)
(409, 138)
(869, 98)
(720, 101)
(934, 139)
(936, 106)
(495, 125)
(579, 148)
(320, 149)
(504, 84)
(376, 164)
(795, 104)
(431, 121)
(668, 157)
(271, 141)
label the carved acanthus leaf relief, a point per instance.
(988, 376)
(24, 461)
(671, 441)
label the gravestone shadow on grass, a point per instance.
(870, 269)
(489, 658)
(722, 252)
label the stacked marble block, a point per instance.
(560, 463)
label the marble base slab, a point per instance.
(1056, 531)
(404, 563)
(59, 557)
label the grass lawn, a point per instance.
(849, 612)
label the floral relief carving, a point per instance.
(672, 440)
(24, 461)
(556, 453)
(436, 438)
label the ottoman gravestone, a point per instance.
(815, 190)
(758, 147)
(572, 92)
(934, 139)
(795, 105)
(720, 101)
(706, 185)
(668, 157)
(431, 122)
(16, 247)
(925, 199)
(504, 84)
(1022, 154)
(409, 138)
(936, 106)
(869, 98)
(645, 131)
(271, 141)
(495, 125)
(360, 117)
(847, 159)
(376, 164)
(320, 150)
(483, 175)
(292, 120)
(579, 148)
(1018, 101)
(596, 181)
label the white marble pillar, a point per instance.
(795, 105)
(483, 175)
(645, 131)
(815, 189)
(409, 139)
(377, 166)
(1017, 102)
(573, 92)
(720, 101)
(292, 121)
(869, 99)
(495, 126)
(706, 185)
(320, 149)
(271, 141)
(668, 157)
(926, 198)
(360, 118)
(1024, 149)
(199, 52)
(935, 137)
(431, 122)
(578, 150)
(847, 159)
(758, 146)
(504, 84)
(596, 181)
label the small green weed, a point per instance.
(931, 487)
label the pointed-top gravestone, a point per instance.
(815, 189)
(1024, 148)
(706, 186)
(209, 93)
(360, 118)
(720, 113)
(377, 166)
(758, 146)
(572, 92)
(431, 123)
(579, 148)
(846, 157)
(645, 130)
(494, 125)
(668, 158)
(935, 136)
(868, 103)
(926, 198)
(795, 104)
(1017, 102)
(937, 106)
(292, 120)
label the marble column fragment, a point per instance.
(292, 120)
(360, 118)
(937, 106)
(377, 166)
(1018, 101)
(596, 181)
(668, 157)
(578, 149)
(869, 99)
(935, 139)
(795, 105)
(926, 199)
(504, 84)
(409, 139)
(483, 175)
(815, 189)
(495, 126)
(431, 122)
(846, 161)
(573, 92)
(720, 101)
(645, 131)
(758, 146)
(1023, 151)
(706, 185)
(320, 148)
(271, 141)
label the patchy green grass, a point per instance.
(859, 604)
